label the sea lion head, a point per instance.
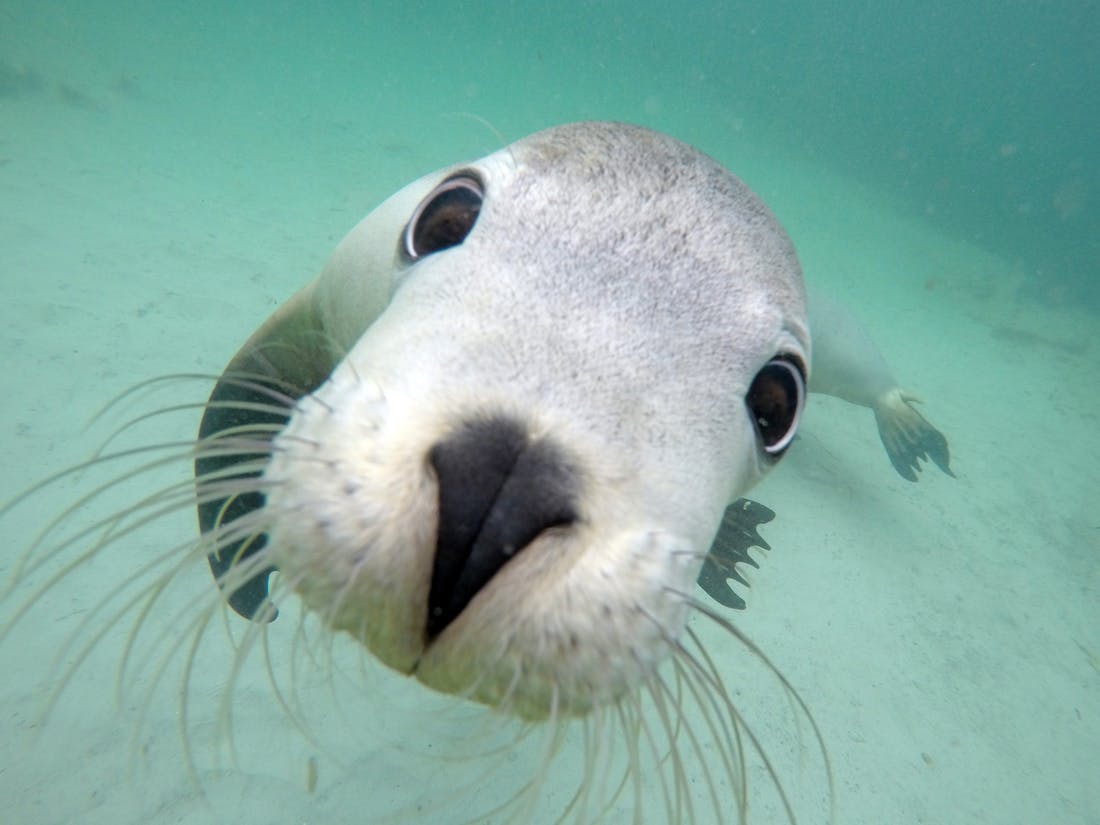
(527, 389)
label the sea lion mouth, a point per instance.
(499, 489)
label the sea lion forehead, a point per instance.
(594, 183)
(609, 170)
(627, 207)
(617, 154)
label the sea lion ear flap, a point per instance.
(286, 358)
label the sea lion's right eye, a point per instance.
(445, 217)
(775, 402)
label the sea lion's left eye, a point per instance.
(775, 402)
(445, 217)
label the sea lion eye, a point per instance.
(445, 217)
(775, 402)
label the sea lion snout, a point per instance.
(498, 490)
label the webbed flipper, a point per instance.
(908, 436)
(736, 535)
(285, 359)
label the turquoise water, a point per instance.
(169, 174)
(979, 118)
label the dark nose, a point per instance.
(498, 490)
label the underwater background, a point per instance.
(170, 173)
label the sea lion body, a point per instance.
(847, 363)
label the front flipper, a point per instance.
(288, 357)
(908, 436)
(736, 535)
(848, 365)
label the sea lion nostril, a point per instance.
(498, 490)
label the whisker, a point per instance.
(726, 625)
(146, 384)
(728, 748)
(82, 654)
(96, 461)
(176, 497)
(632, 724)
(603, 750)
(726, 737)
(265, 384)
(293, 713)
(242, 406)
(291, 705)
(629, 738)
(184, 452)
(709, 673)
(682, 801)
(198, 631)
(671, 801)
(254, 629)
